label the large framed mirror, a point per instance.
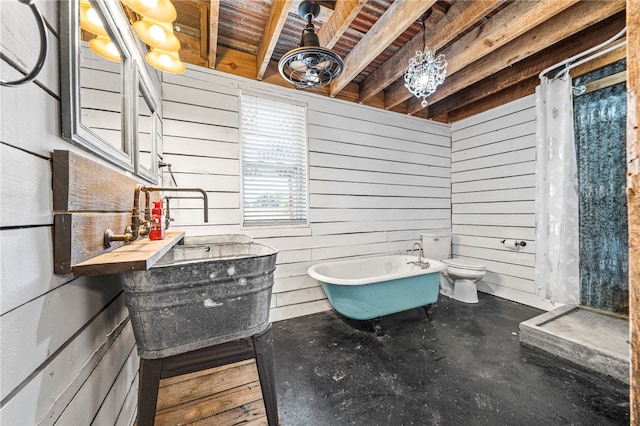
(147, 128)
(109, 103)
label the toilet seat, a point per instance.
(466, 264)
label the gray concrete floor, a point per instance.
(591, 339)
(466, 367)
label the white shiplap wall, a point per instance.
(376, 178)
(493, 197)
(67, 348)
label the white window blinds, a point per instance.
(274, 162)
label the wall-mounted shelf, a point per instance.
(138, 255)
(89, 198)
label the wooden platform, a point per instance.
(222, 396)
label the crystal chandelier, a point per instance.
(426, 71)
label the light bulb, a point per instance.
(150, 3)
(157, 33)
(165, 60)
(112, 49)
(94, 18)
(104, 47)
(423, 80)
(91, 21)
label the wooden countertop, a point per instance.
(138, 255)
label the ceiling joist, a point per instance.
(494, 48)
(214, 14)
(569, 22)
(531, 66)
(509, 23)
(277, 18)
(459, 17)
(344, 13)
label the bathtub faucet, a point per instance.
(422, 264)
(420, 252)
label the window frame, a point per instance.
(256, 224)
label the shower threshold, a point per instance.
(594, 340)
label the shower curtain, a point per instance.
(557, 230)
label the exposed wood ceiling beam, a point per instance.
(344, 13)
(559, 27)
(530, 66)
(527, 86)
(511, 22)
(460, 16)
(398, 17)
(214, 14)
(522, 89)
(244, 64)
(277, 18)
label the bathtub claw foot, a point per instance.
(428, 311)
(377, 328)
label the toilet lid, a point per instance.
(465, 264)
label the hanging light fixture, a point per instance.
(106, 48)
(157, 34)
(310, 65)
(155, 29)
(90, 20)
(157, 10)
(165, 61)
(426, 71)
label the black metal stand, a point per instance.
(259, 347)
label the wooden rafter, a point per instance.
(530, 66)
(214, 14)
(277, 18)
(523, 88)
(512, 21)
(398, 17)
(344, 13)
(554, 29)
(459, 17)
(490, 45)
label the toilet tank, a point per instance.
(436, 244)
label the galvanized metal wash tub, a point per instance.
(207, 291)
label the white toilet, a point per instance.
(459, 280)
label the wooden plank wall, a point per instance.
(67, 346)
(633, 186)
(493, 197)
(376, 178)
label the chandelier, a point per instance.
(426, 71)
(310, 65)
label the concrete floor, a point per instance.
(582, 336)
(466, 367)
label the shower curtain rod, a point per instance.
(585, 53)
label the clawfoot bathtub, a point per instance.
(370, 287)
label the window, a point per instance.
(274, 162)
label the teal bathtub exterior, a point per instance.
(371, 296)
